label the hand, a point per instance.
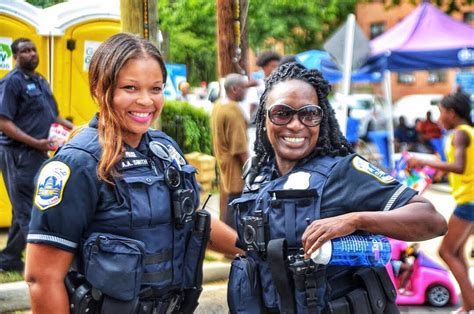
(414, 162)
(43, 145)
(322, 230)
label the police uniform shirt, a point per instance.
(77, 197)
(355, 185)
(28, 102)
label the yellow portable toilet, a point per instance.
(19, 19)
(79, 28)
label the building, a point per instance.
(375, 17)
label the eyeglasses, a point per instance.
(282, 114)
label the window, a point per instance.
(406, 78)
(376, 29)
(468, 17)
(437, 76)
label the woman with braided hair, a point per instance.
(304, 187)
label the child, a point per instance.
(455, 115)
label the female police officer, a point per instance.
(305, 186)
(121, 199)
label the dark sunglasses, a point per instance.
(282, 114)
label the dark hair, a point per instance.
(266, 57)
(106, 63)
(331, 142)
(287, 59)
(17, 42)
(460, 104)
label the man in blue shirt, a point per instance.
(27, 110)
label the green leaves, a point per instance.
(187, 125)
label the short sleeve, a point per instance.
(9, 92)
(65, 199)
(356, 185)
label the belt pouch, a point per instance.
(244, 290)
(339, 306)
(114, 265)
(371, 283)
(359, 301)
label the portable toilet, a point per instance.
(79, 28)
(19, 19)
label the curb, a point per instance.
(14, 296)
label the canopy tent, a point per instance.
(425, 39)
(317, 59)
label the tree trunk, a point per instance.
(225, 36)
(140, 18)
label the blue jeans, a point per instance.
(19, 165)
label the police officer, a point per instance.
(120, 200)
(27, 110)
(305, 187)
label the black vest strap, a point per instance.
(276, 254)
(158, 276)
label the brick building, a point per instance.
(375, 17)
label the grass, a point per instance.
(10, 276)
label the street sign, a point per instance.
(335, 46)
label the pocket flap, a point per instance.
(148, 180)
(293, 193)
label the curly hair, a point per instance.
(331, 142)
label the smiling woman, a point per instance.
(304, 187)
(121, 200)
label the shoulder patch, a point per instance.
(363, 166)
(297, 181)
(51, 182)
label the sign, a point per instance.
(6, 55)
(466, 81)
(335, 46)
(89, 48)
(176, 74)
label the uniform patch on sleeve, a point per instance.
(51, 182)
(363, 166)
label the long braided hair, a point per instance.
(331, 142)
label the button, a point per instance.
(148, 180)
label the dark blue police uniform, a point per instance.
(134, 236)
(281, 207)
(29, 103)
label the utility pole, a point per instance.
(231, 29)
(140, 17)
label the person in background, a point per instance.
(120, 201)
(455, 115)
(428, 130)
(185, 91)
(305, 185)
(27, 111)
(229, 141)
(405, 136)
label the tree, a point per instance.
(299, 24)
(44, 3)
(191, 28)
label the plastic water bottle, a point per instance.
(354, 250)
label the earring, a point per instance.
(264, 129)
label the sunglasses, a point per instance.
(282, 114)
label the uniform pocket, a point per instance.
(33, 99)
(244, 291)
(149, 201)
(114, 264)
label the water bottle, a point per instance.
(354, 250)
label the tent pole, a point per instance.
(389, 114)
(347, 69)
